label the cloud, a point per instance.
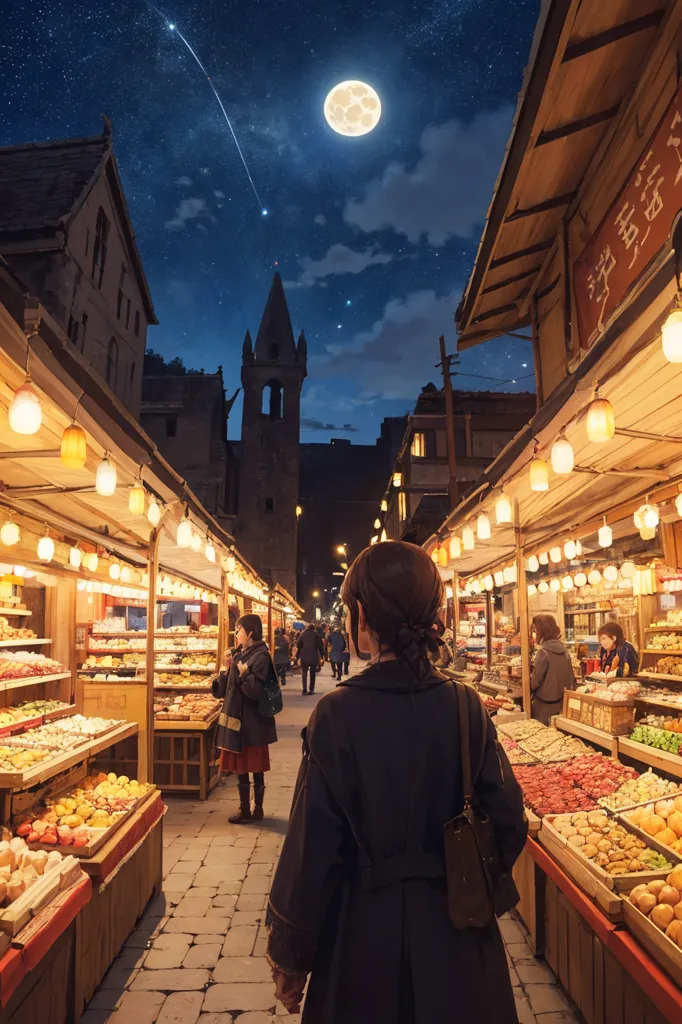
(218, 193)
(447, 192)
(311, 424)
(320, 219)
(190, 209)
(184, 180)
(338, 259)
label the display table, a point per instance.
(185, 756)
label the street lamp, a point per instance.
(341, 549)
(316, 593)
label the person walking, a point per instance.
(337, 645)
(359, 900)
(616, 654)
(310, 652)
(244, 732)
(281, 658)
(552, 670)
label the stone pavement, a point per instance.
(198, 954)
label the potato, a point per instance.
(662, 915)
(593, 839)
(589, 850)
(669, 895)
(585, 832)
(675, 877)
(577, 841)
(567, 831)
(647, 902)
(675, 822)
(638, 891)
(604, 845)
(672, 929)
(656, 886)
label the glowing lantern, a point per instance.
(468, 542)
(24, 413)
(605, 535)
(651, 517)
(601, 423)
(611, 573)
(569, 550)
(543, 558)
(532, 590)
(483, 527)
(555, 585)
(45, 548)
(488, 582)
(384, 505)
(533, 563)
(510, 574)
(443, 556)
(580, 579)
(126, 574)
(75, 557)
(397, 479)
(555, 554)
(196, 542)
(578, 549)
(567, 582)
(671, 337)
(105, 479)
(377, 523)
(136, 499)
(455, 547)
(647, 532)
(184, 535)
(154, 512)
(434, 556)
(115, 571)
(503, 510)
(543, 586)
(209, 551)
(9, 533)
(91, 561)
(538, 473)
(384, 536)
(499, 578)
(628, 570)
(74, 450)
(678, 504)
(594, 577)
(562, 455)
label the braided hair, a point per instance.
(401, 594)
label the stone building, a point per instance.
(65, 231)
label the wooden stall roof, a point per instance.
(282, 599)
(583, 68)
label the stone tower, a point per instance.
(273, 372)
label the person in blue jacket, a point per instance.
(615, 652)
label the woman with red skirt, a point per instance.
(244, 733)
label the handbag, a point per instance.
(478, 889)
(270, 702)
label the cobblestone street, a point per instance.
(198, 953)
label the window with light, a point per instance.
(402, 506)
(418, 446)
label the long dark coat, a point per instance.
(380, 776)
(310, 647)
(257, 731)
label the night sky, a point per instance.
(374, 236)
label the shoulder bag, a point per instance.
(477, 888)
(270, 702)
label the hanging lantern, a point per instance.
(578, 549)
(115, 571)
(567, 583)
(503, 510)
(594, 577)
(105, 479)
(398, 479)
(562, 456)
(488, 582)
(483, 527)
(74, 449)
(75, 557)
(651, 517)
(45, 548)
(533, 563)
(136, 498)
(443, 556)
(539, 472)
(499, 578)
(154, 512)
(384, 536)
(468, 542)
(196, 542)
(126, 574)
(600, 423)
(24, 413)
(555, 554)
(628, 570)
(605, 535)
(580, 579)
(384, 505)
(543, 558)
(569, 550)
(671, 336)
(455, 547)
(374, 540)
(475, 586)
(555, 585)
(678, 504)
(183, 537)
(510, 574)
(532, 590)
(91, 561)
(543, 586)
(611, 573)
(377, 523)
(647, 532)
(9, 533)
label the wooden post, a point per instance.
(450, 424)
(271, 626)
(455, 606)
(146, 757)
(524, 626)
(223, 621)
(489, 620)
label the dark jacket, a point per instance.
(310, 646)
(337, 645)
(552, 674)
(257, 731)
(281, 652)
(624, 659)
(380, 776)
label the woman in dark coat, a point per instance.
(243, 734)
(552, 670)
(359, 899)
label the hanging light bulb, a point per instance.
(510, 574)
(580, 579)
(184, 535)
(45, 547)
(105, 478)
(555, 554)
(209, 551)
(499, 578)
(468, 542)
(569, 550)
(74, 450)
(605, 535)
(628, 570)
(567, 583)
(533, 563)
(543, 586)
(384, 536)
(594, 577)
(377, 523)
(539, 472)
(503, 509)
(24, 413)
(532, 590)
(154, 512)
(543, 558)
(75, 557)
(136, 498)
(115, 571)
(91, 561)
(384, 505)
(455, 547)
(483, 527)
(555, 585)
(600, 423)
(562, 455)
(671, 336)
(9, 533)
(196, 542)
(611, 573)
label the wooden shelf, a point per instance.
(115, 652)
(661, 650)
(25, 643)
(170, 687)
(661, 759)
(13, 684)
(14, 611)
(663, 629)
(661, 702)
(658, 675)
(165, 635)
(60, 762)
(585, 732)
(183, 668)
(188, 725)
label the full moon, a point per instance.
(352, 108)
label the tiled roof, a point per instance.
(42, 182)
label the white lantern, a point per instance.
(209, 551)
(488, 582)
(594, 577)
(539, 475)
(136, 499)
(532, 590)
(650, 516)
(377, 523)
(647, 532)
(569, 550)
(510, 574)
(671, 337)
(611, 573)
(562, 455)
(126, 574)
(503, 510)
(567, 582)
(578, 549)
(115, 571)
(543, 558)
(105, 478)
(605, 535)
(196, 542)
(384, 537)
(555, 554)
(184, 535)
(468, 542)
(678, 504)
(75, 557)
(91, 561)
(499, 578)
(24, 413)
(483, 527)
(9, 533)
(475, 587)
(533, 563)
(580, 579)
(455, 547)
(45, 548)
(555, 584)
(628, 570)
(154, 512)
(543, 586)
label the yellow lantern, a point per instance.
(678, 504)
(115, 571)
(434, 556)
(209, 551)
(503, 510)
(397, 479)
(543, 586)
(567, 582)
(91, 561)
(601, 423)
(74, 450)
(9, 533)
(384, 536)
(510, 574)
(539, 473)
(384, 505)
(455, 547)
(532, 590)
(580, 579)
(555, 554)
(555, 584)
(483, 527)
(196, 542)
(377, 523)
(488, 582)
(562, 455)
(443, 556)
(136, 499)
(628, 570)
(154, 512)
(569, 550)
(594, 577)
(611, 573)
(671, 337)
(499, 578)
(75, 557)
(184, 535)
(374, 540)
(543, 558)
(533, 563)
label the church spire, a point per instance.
(302, 349)
(275, 338)
(247, 348)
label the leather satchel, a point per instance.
(478, 890)
(270, 702)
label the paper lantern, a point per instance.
(543, 586)
(488, 582)
(601, 423)
(562, 456)
(671, 336)
(443, 556)
(543, 558)
(183, 537)
(91, 561)
(555, 554)
(45, 548)
(115, 571)
(539, 475)
(374, 540)
(75, 557)
(499, 578)
(483, 527)
(126, 574)
(567, 582)
(377, 523)
(569, 550)
(105, 479)
(196, 542)
(154, 512)
(475, 587)
(449, 593)
(628, 570)
(468, 542)
(678, 504)
(397, 479)
(384, 505)
(651, 517)
(384, 536)
(503, 510)
(580, 579)
(136, 499)
(24, 413)
(611, 573)
(555, 585)
(533, 563)
(209, 551)
(647, 532)
(605, 535)
(510, 574)
(594, 577)
(578, 549)
(532, 590)
(455, 546)
(9, 533)
(74, 449)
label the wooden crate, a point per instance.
(578, 871)
(185, 758)
(663, 950)
(613, 717)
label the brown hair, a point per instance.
(613, 630)
(401, 594)
(546, 628)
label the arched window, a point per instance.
(272, 400)
(112, 363)
(99, 252)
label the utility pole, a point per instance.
(444, 364)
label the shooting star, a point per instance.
(174, 28)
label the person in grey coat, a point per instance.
(552, 671)
(337, 645)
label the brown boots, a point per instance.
(244, 815)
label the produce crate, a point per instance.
(621, 816)
(614, 717)
(578, 871)
(663, 950)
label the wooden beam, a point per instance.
(501, 261)
(611, 35)
(489, 621)
(494, 312)
(524, 625)
(510, 280)
(146, 757)
(548, 204)
(580, 125)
